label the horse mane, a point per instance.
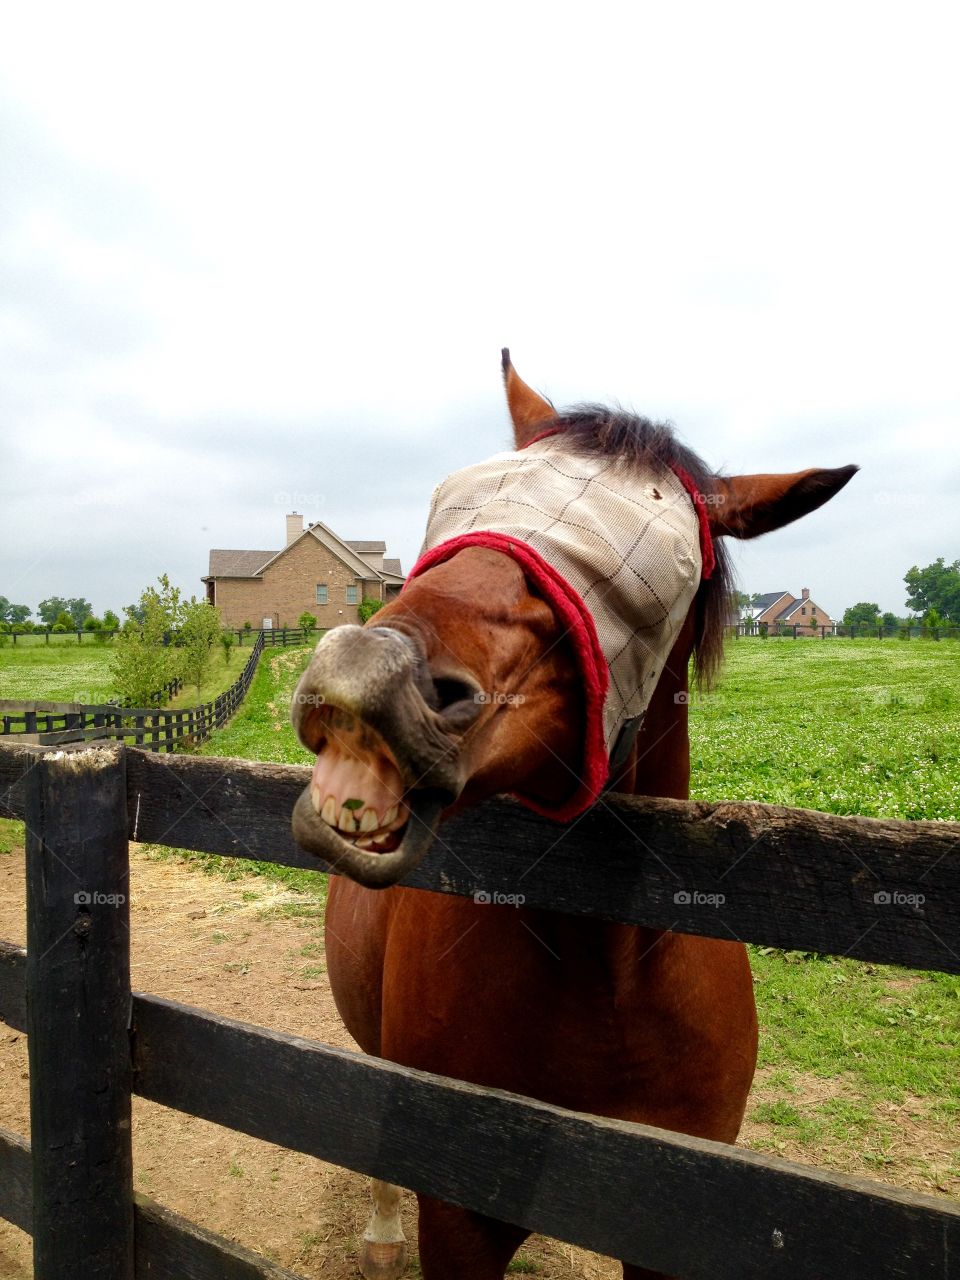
(615, 433)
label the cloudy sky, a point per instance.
(255, 259)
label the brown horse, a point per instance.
(480, 678)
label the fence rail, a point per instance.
(155, 728)
(661, 1200)
(838, 630)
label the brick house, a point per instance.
(316, 572)
(781, 609)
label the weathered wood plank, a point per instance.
(16, 1192)
(667, 1201)
(13, 986)
(787, 878)
(168, 1246)
(78, 1006)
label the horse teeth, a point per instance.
(369, 821)
(364, 842)
(348, 820)
(390, 815)
(329, 811)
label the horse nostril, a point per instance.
(457, 699)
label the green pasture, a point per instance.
(64, 671)
(845, 726)
(56, 672)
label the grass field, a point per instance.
(844, 726)
(61, 672)
(56, 672)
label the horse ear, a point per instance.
(530, 412)
(746, 506)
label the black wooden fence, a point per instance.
(156, 728)
(882, 891)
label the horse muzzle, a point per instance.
(388, 758)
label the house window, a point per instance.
(321, 593)
(804, 610)
(352, 594)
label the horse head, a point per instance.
(563, 587)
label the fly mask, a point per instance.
(617, 550)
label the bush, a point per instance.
(247, 627)
(60, 628)
(92, 624)
(23, 628)
(226, 639)
(367, 608)
(306, 622)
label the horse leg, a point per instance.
(384, 1252)
(456, 1242)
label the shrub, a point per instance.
(60, 628)
(306, 622)
(64, 622)
(92, 624)
(367, 608)
(247, 627)
(226, 639)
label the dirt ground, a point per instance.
(252, 951)
(247, 950)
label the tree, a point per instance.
(92, 623)
(63, 621)
(306, 622)
(13, 612)
(890, 620)
(144, 661)
(226, 639)
(110, 621)
(48, 609)
(863, 614)
(200, 629)
(77, 608)
(367, 608)
(935, 587)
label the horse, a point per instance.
(542, 647)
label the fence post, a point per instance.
(78, 1010)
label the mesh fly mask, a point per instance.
(613, 547)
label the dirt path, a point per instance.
(252, 952)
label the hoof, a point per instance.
(379, 1261)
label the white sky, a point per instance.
(255, 258)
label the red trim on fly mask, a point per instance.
(708, 560)
(578, 622)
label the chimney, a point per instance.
(294, 526)
(804, 591)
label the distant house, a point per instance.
(782, 610)
(315, 572)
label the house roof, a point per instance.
(250, 564)
(366, 548)
(762, 603)
(791, 609)
(238, 564)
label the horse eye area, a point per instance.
(356, 786)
